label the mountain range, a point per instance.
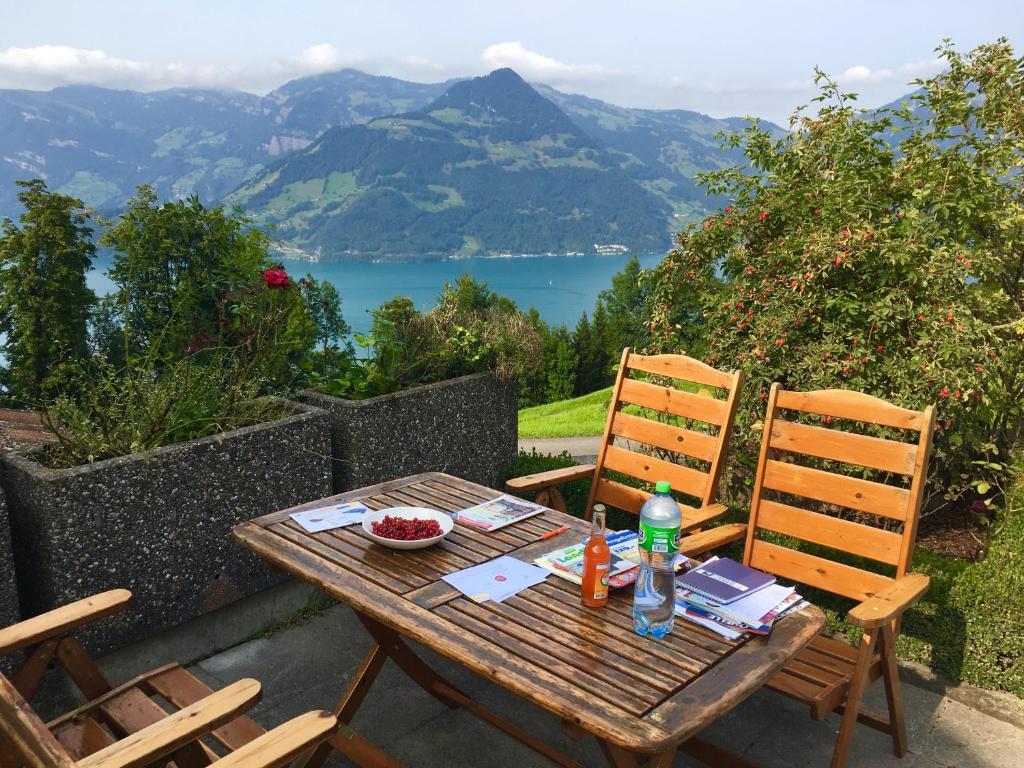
(351, 165)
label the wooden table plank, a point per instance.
(586, 666)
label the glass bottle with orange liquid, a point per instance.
(596, 559)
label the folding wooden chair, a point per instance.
(163, 717)
(700, 436)
(829, 675)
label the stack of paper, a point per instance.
(754, 613)
(496, 579)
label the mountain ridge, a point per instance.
(98, 144)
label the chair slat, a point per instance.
(183, 689)
(846, 404)
(850, 492)
(674, 401)
(680, 367)
(665, 436)
(685, 479)
(845, 535)
(619, 495)
(847, 447)
(815, 571)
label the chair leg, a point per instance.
(852, 705)
(893, 692)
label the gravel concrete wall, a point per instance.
(9, 612)
(467, 427)
(159, 523)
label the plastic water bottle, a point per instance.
(654, 598)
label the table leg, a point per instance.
(393, 647)
(347, 741)
(713, 755)
(622, 758)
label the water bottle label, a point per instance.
(659, 540)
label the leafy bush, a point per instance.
(470, 330)
(121, 411)
(876, 251)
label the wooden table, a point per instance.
(642, 699)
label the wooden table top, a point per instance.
(586, 666)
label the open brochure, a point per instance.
(497, 513)
(625, 559)
(568, 561)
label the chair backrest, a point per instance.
(702, 413)
(785, 486)
(25, 735)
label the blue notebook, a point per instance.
(724, 580)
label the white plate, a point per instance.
(423, 513)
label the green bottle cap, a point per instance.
(662, 486)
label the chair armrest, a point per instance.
(890, 601)
(712, 538)
(551, 477)
(60, 621)
(698, 518)
(176, 730)
(280, 746)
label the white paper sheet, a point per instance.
(496, 579)
(334, 516)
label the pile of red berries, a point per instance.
(406, 529)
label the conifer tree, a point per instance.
(44, 298)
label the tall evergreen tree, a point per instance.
(561, 368)
(44, 299)
(625, 303)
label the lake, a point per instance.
(560, 287)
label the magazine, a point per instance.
(625, 559)
(497, 513)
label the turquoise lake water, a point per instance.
(560, 287)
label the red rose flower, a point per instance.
(276, 278)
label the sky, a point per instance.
(723, 59)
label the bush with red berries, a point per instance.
(872, 250)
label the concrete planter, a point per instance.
(158, 523)
(9, 612)
(466, 427)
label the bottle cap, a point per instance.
(662, 486)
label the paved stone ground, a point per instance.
(306, 666)
(580, 448)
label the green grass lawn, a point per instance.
(568, 418)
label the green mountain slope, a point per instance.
(489, 167)
(671, 145)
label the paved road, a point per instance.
(578, 447)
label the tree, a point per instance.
(594, 362)
(324, 304)
(44, 299)
(175, 264)
(625, 306)
(561, 368)
(877, 251)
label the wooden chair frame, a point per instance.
(829, 675)
(697, 445)
(141, 732)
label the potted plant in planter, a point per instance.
(436, 391)
(165, 436)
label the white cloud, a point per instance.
(538, 67)
(903, 73)
(47, 66)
